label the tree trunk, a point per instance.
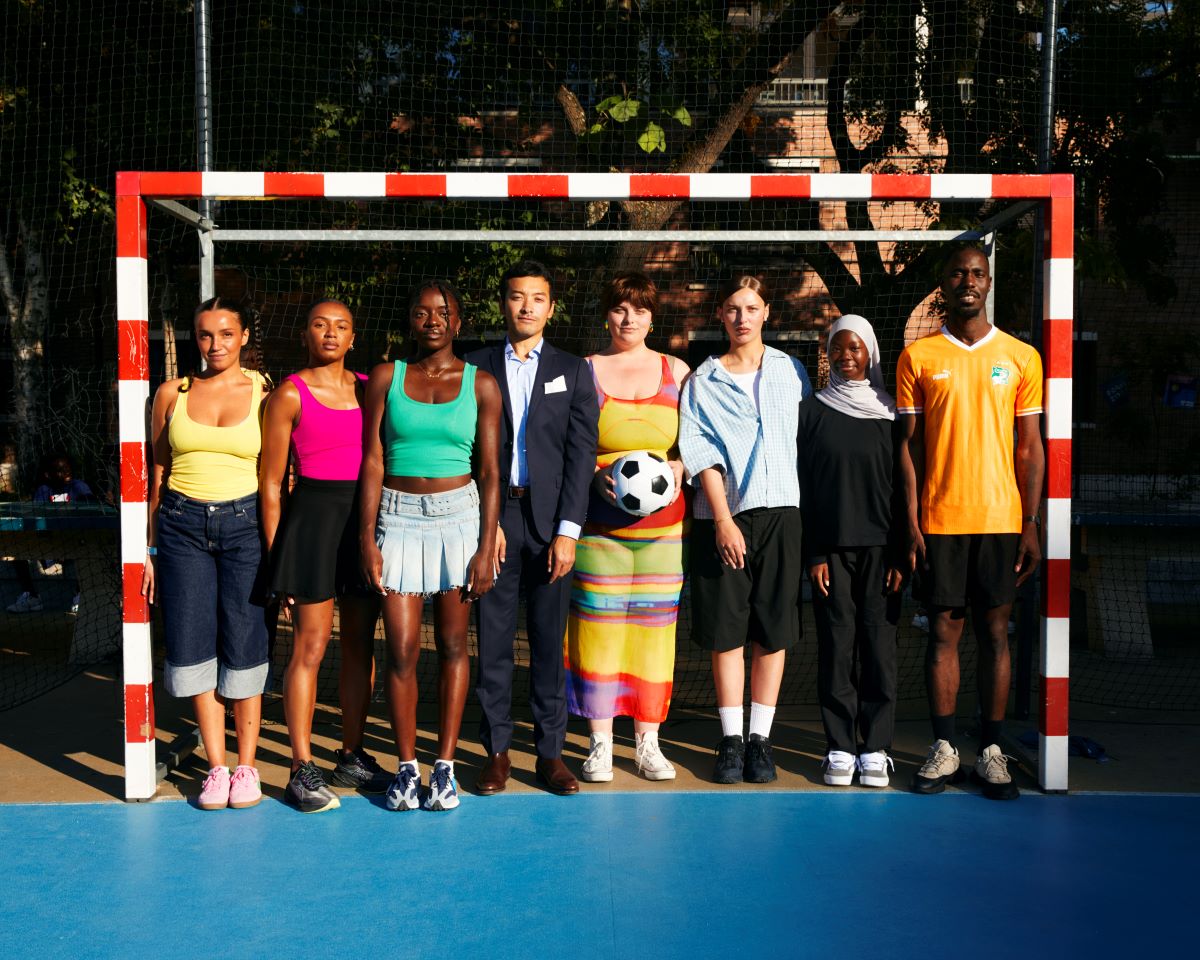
(27, 307)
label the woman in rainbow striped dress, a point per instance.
(619, 648)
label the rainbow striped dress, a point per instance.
(619, 649)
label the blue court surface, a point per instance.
(654, 875)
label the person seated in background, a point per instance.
(56, 484)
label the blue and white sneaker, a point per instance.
(443, 788)
(403, 793)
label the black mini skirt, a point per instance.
(315, 556)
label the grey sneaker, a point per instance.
(359, 771)
(839, 768)
(991, 773)
(404, 793)
(873, 769)
(597, 768)
(307, 791)
(940, 766)
(651, 763)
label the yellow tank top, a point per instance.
(215, 463)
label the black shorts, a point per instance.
(971, 569)
(760, 602)
(315, 556)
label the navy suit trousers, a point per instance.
(525, 570)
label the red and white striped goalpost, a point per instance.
(1054, 191)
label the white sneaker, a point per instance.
(873, 769)
(941, 766)
(597, 768)
(75, 604)
(651, 763)
(991, 773)
(25, 603)
(839, 768)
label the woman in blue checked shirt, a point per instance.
(737, 438)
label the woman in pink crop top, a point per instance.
(316, 416)
(429, 534)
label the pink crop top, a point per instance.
(328, 442)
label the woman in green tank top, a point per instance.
(430, 487)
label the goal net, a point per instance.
(827, 244)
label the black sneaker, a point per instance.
(760, 765)
(359, 771)
(730, 752)
(307, 792)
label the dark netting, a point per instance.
(89, 88)
(283, 276)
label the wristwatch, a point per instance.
(1035, 520)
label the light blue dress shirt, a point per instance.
(521, 375)
(753, 447)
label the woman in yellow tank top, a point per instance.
(205, 549)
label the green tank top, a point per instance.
(429, 439)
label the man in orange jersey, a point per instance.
(972, 505)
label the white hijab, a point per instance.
(863, 399)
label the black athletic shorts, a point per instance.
(970, 569)
(760, 602)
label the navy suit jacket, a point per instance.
(560, 436)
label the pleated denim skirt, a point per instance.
(428, 539)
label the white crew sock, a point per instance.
(760, 719)
(731, 721)
(413, 764)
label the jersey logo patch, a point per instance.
(944, 375)
(1001, 375)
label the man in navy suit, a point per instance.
(548, 452)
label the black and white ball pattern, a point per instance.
(644, 483)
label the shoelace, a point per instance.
(242, 774)
(310, 776)
(649, 756)
(729, 751)
(211, 780)
(877, 764)
(600, 753)
(441, 779)
(408, 778)
(999, 760)
(844, 761)
(365, 760)
(762, 748)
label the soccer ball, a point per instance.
(644, 483)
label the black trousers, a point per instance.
(856, 651)
(546, 619)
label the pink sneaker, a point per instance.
(215, 793)
(244, 789)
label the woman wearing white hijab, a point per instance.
(850, 534)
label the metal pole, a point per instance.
(1027, 618)
(204, 139)
(1049, 58)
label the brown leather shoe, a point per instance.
(553, 774)
(494, 776)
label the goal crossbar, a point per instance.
(1054, 193)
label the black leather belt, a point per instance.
(516, 493)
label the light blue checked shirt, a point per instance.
(755, 448)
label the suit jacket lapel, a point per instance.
(544, 375)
